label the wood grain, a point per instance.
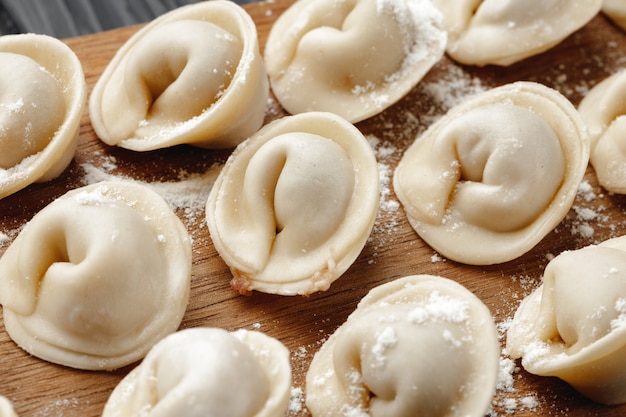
(38, 388)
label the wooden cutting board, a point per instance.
(38, 388)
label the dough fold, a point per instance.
(604, 111)
(294, 204)
(581, 340)
(97, 277)
(486, 182)
(354, 58)
(192, 76)
(42, 98)
(204, 371)
(386, 359)
(484, 32)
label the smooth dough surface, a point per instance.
(193, 75)
(295, 204)
(6, 408)
(32, 108)
(387, 359)
(486, 182)
(616, 11)
(42, 97)
(354, 58)
(580, 339)
(97, 277)
(483, 32)
(604, 110)
(204, 371)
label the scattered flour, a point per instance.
(384, 341)
(386, 225)
(530, 402)
(507, 400)
(4, 238)
(585, 191)
(451, 89)
(437, 258)
(58, 408)
(189, 194)
(505, 375)
(387, 204)
(296, 400)
(440, 308)
(620, 320)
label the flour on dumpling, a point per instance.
(85, 281)
(483, 32)
(385, 359)
(486, 182)
(43, 94)
(294, 204)
(205, 371)
(581, 340)
(192, 76)
(354, 58)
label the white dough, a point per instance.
(97, 277)
(354, 58)
(294, 204)
(203, 371)
(574, 325)
(32, 107)
(193, 75)
(42, 98)
(486, 182)
(604, 111)
(420, 345)
(616, 11)
(499, 32)
(6, 408)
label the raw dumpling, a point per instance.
(604, 111)
(6, 408)
(504, 32)
(194, 75)
(43, 93)
(418, 346)
(205, 371)
(486, 182)
(616, 11)
(295, 204)
(97, 277)
(574, 325)
(354, 58)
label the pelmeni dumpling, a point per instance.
(97, 277)
(482, 32)
(203, 371)
(574, 325)
(604, 111)
(486, 182)
(6, 408)
(354, 58)
(295, 204)
(193, 75)
(42, 98)
(616, 11)
(420, 345)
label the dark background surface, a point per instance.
(67, 18)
